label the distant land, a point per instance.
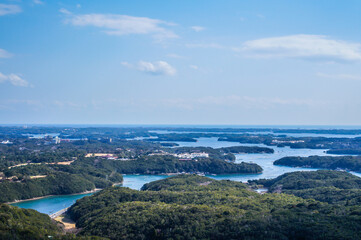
(41, 161)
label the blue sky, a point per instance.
(180, 62)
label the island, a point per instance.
(349, 163)
(333, 187)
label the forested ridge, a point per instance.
(28, 224)
(170, 164)
(351, 163)
(194, 207)
(334, 187)
(78, 177)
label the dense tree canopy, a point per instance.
(194, 207)
(352, 163)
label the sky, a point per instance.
(236, 62)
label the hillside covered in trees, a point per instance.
(170, 164)
(334, 187)
(351, 163)
(194, 207)
(16, 223)
(28, 224)
(50, 179)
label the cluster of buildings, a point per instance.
(190, 156)
(182, 156)
(109, 156)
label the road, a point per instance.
(58, 213)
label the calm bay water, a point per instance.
(50, 205)
(53, 204)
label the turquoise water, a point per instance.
(137, 181)
(50, 205)
(53, 204)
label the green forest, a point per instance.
(351, 163)
(195, 207)
(82, 175)
(28, 224)
(170, 164)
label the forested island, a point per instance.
(190, 206)
(350, 163)
(170, 164)
(333, 187)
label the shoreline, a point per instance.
(46, 196)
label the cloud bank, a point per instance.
(302, 46)
(114, 24)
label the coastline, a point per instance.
(46, 196)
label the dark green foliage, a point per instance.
(170, 164)
(194, 207)
(352, 163)
(54, 184)
(16, 223)
(327, 186)
(312, 179)
(188, 182)
(82, 175)
(28, 224)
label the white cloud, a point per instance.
(302, 46)
(78, 6)
(4, 54)
(197, 28)
(339, 76)
(65, 11)
(14, 79)
(154, 68)
(114, 24)
(38, 2)
(9, 9)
